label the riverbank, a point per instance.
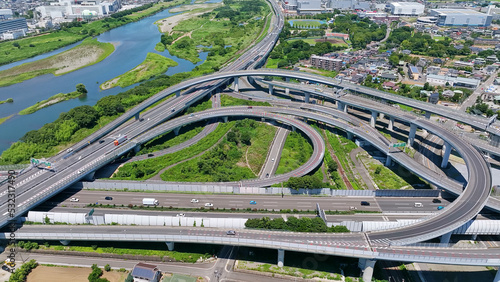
(4, 119)
(89, 52)
(153, 65)
(9, 100)
(51, 101)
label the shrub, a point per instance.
(107, 268)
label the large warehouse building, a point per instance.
(460, 17)
(407, 8)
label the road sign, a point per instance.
(397, 145)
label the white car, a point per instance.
(80, 171)
(209, 205)
(181, 215)
(194, 201)
(74, 200)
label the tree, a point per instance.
(378, 170)
(107, 268)
(80, 87)
(85, 116)
(16, 44)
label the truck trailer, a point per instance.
(150, 202)
(120, 140)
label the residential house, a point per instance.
(143, 272)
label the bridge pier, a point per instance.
(65, 242)
(308, 95)
(281, 257)
(474, 237)
(170, 245)
(446, 155)
(366, 266)
(373, 119)
(251, 80)
(225, 118)
(391, 124)
(388, 160)
(137, 116)
(137, 148)
(350, 135)
(89, 176)
(497, 277)
(427, 115)
(494, 140)
(287, 90)
(445, 238)
(177, 93)
(176, 131)
(271, 89)
(411, 136)
(236, 84)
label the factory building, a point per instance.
(406, 8)
(324, 6)
(6, 14)
(78, 9)
(460, 17)
(13, 29)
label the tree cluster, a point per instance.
(304, 224)
(361, 31)
(306, 182)
(95, 275)
(21, 274)
(28, 245)
(246, 10)
(290, 53)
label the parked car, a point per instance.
(253, 202)
(440, 208)
(194, 201)
(209, 205)
(231, 232)
(365, 203)
(74, 200)
(436, 200)
(108, 198)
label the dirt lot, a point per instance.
(73, 274)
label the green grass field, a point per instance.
(179, 278)
(296, 151)
(304, 23)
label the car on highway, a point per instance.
(253, 202)
(74, 199)
(194, 200)
(80, 171)
(108, 198)
(272, 159)
(365, 203)
(440, 208)
(69, 150)
(180, 215)
(231, 232)
(436, 200)
(141, 119)
(101, 141)
(353, 208)
(151, 155)
(209, 205)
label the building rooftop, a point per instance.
(457, 12)
(402, 4)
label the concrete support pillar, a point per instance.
(427, 115)
(236, 84)
(65, 242)
(373, 119)
(381, 116)
(497, 277)
(250, 79)
(388, 160)
(176, 131)
(287, 79)
(271, 88)
(293, 128)
(281, 257)
(340, 106)
(170, 245)
(90, 176)
(446, 155)
(137, 148)
(177, 93)
(391, 124)
(137, 116)
(474, 237)
(308, 95)
(287, 91)
(367, 266)
(494, 140)
(411, 136)
(225, 119)
(350, 136)
(445, 239)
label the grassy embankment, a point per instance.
(228, 101)
(219, 28)
(187, 254)
(51, 101)
(9, 100)
(145, 169)
(43, 43)
(89, 52)
(240, 155)
(153, 65)
(296, 151)
(2, 120)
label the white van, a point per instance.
(418, 205)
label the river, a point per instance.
(132, 42)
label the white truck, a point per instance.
(149, 202)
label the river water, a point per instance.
(132, 42)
